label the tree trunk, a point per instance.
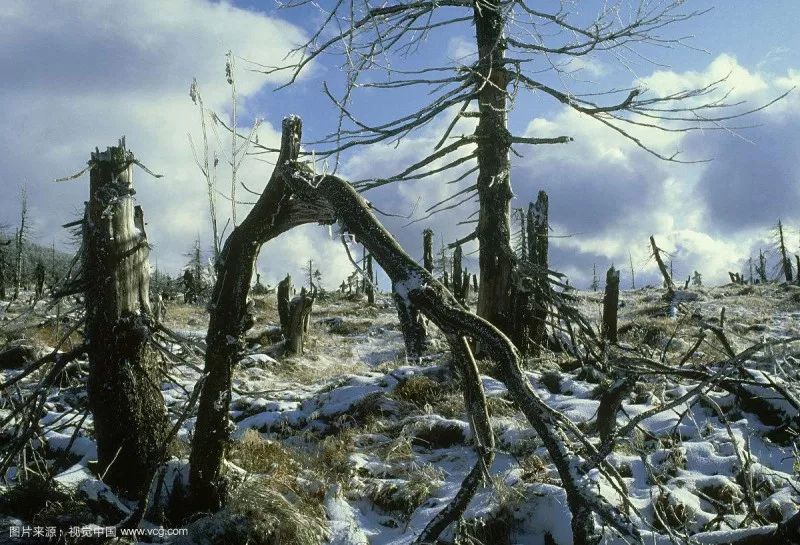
(465, 288)
(299, 314)
(427, 250)
(786, 262)
(369, 281)
(2, 274)
(538, 243)
(284, 297)
(412, 324)
(496, 258)
(130, 421)
(458, 274)
(274, 213)
(661, 267)
(610, 305)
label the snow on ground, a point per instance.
(410, 449)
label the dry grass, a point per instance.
(404, 496)
(420, 390)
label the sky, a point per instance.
(91, 72)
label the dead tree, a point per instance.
(2, 273)
(458, 273)
(427, 250)
(633, 274)
(130, 422)
(785, 261)
(761, 268)
(509, 38)
(610, 305)
(465, 288)
(595, 282)
(414, 284)
(538, 241)
(413, 327)
(370, 281)
(661, 267)
(20, 238)
(299, 318)
(797, 263)
(275, 212)
(39, 274)
(284, 293)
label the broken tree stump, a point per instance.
(458, 274)
(284, 298)
(130, 421)
(538, 242)
(299, 317)
(427, 250)
(610, 305)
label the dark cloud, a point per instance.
(751, 183)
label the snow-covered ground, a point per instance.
(403, 442)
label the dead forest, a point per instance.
(477, 397)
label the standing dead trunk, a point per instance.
(284, 297)
(465, 288)
(130, 422)
(785, 261)
(661, 267)
(299, 317)
(538, 242)
(496, 257)
(2, 274)
(427, 250)
(458, 274)
(412, 324)
(610, 306)
(761, 268)
(797, 262)
(370, 286)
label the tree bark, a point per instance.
(124, 396)
(370, 281)
(412, 325)
(458, 274)
(2, 274)
(427, 250)
(274, 213)
(610, 306)
(284, 293)
(785, 261)
(661, 267)
(538, 243)
(299, 314)
(496, 258)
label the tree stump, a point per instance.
(299, 318)
(284, 293)
(610, 305)
(427, 250)
(124, 395)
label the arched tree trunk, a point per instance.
(130, 421)
(275, 212)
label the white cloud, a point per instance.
(90, 72)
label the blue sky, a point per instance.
(89, 73)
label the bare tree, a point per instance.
(124, 394)
(786, 263)
(20, 238)
(513, 39)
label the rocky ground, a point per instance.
(349, 444)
